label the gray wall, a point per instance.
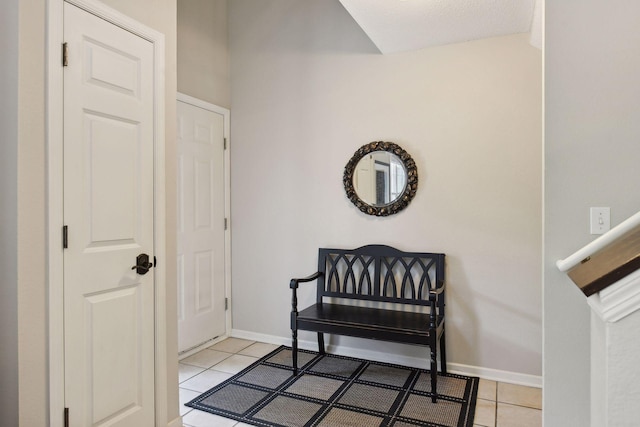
(8, 213)
(308, 88)
(203, 51)
(592, 129)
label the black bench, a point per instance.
(355, 289)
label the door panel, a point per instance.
(203, 175)
(112, 211)
(108, 208)
(107, 332)
(204, 279)
(112, 68)
(201, 287)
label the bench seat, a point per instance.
(364, 322)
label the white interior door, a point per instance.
(201, 224)
(108, 209)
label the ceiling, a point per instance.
(402, 25)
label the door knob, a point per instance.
(142, 264)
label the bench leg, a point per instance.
(321, 343)
(443, 353)
(294, 350)
(434, 369)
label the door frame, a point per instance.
(54, 193)
(227, 193)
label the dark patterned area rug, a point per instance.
(339, 391)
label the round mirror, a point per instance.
(381, 178)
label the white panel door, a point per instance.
(108, 209)
(201, 285)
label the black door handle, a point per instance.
(142, 264)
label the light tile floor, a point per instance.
(498, 405)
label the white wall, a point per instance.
(308, 88)
(203, 51)
(8, 213)
(592, 128)
(32, 306)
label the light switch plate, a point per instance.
(600, 220)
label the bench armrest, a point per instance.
(294, 282)
(433, 293)
(294, 298)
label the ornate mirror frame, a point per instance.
(409, 191)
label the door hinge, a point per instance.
(66, 417)
(226, 304)
(65, 237)
(225, 144)
(226, 223)
(65, 54)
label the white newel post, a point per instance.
(608, 272)
(615, 353)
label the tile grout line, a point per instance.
(520, 406)
(495, 415)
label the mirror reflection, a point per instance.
(379, 178)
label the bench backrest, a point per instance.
(380, 273)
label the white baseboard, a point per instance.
(194, 350)
(496, 375)
(456, 368)
(254, 336)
